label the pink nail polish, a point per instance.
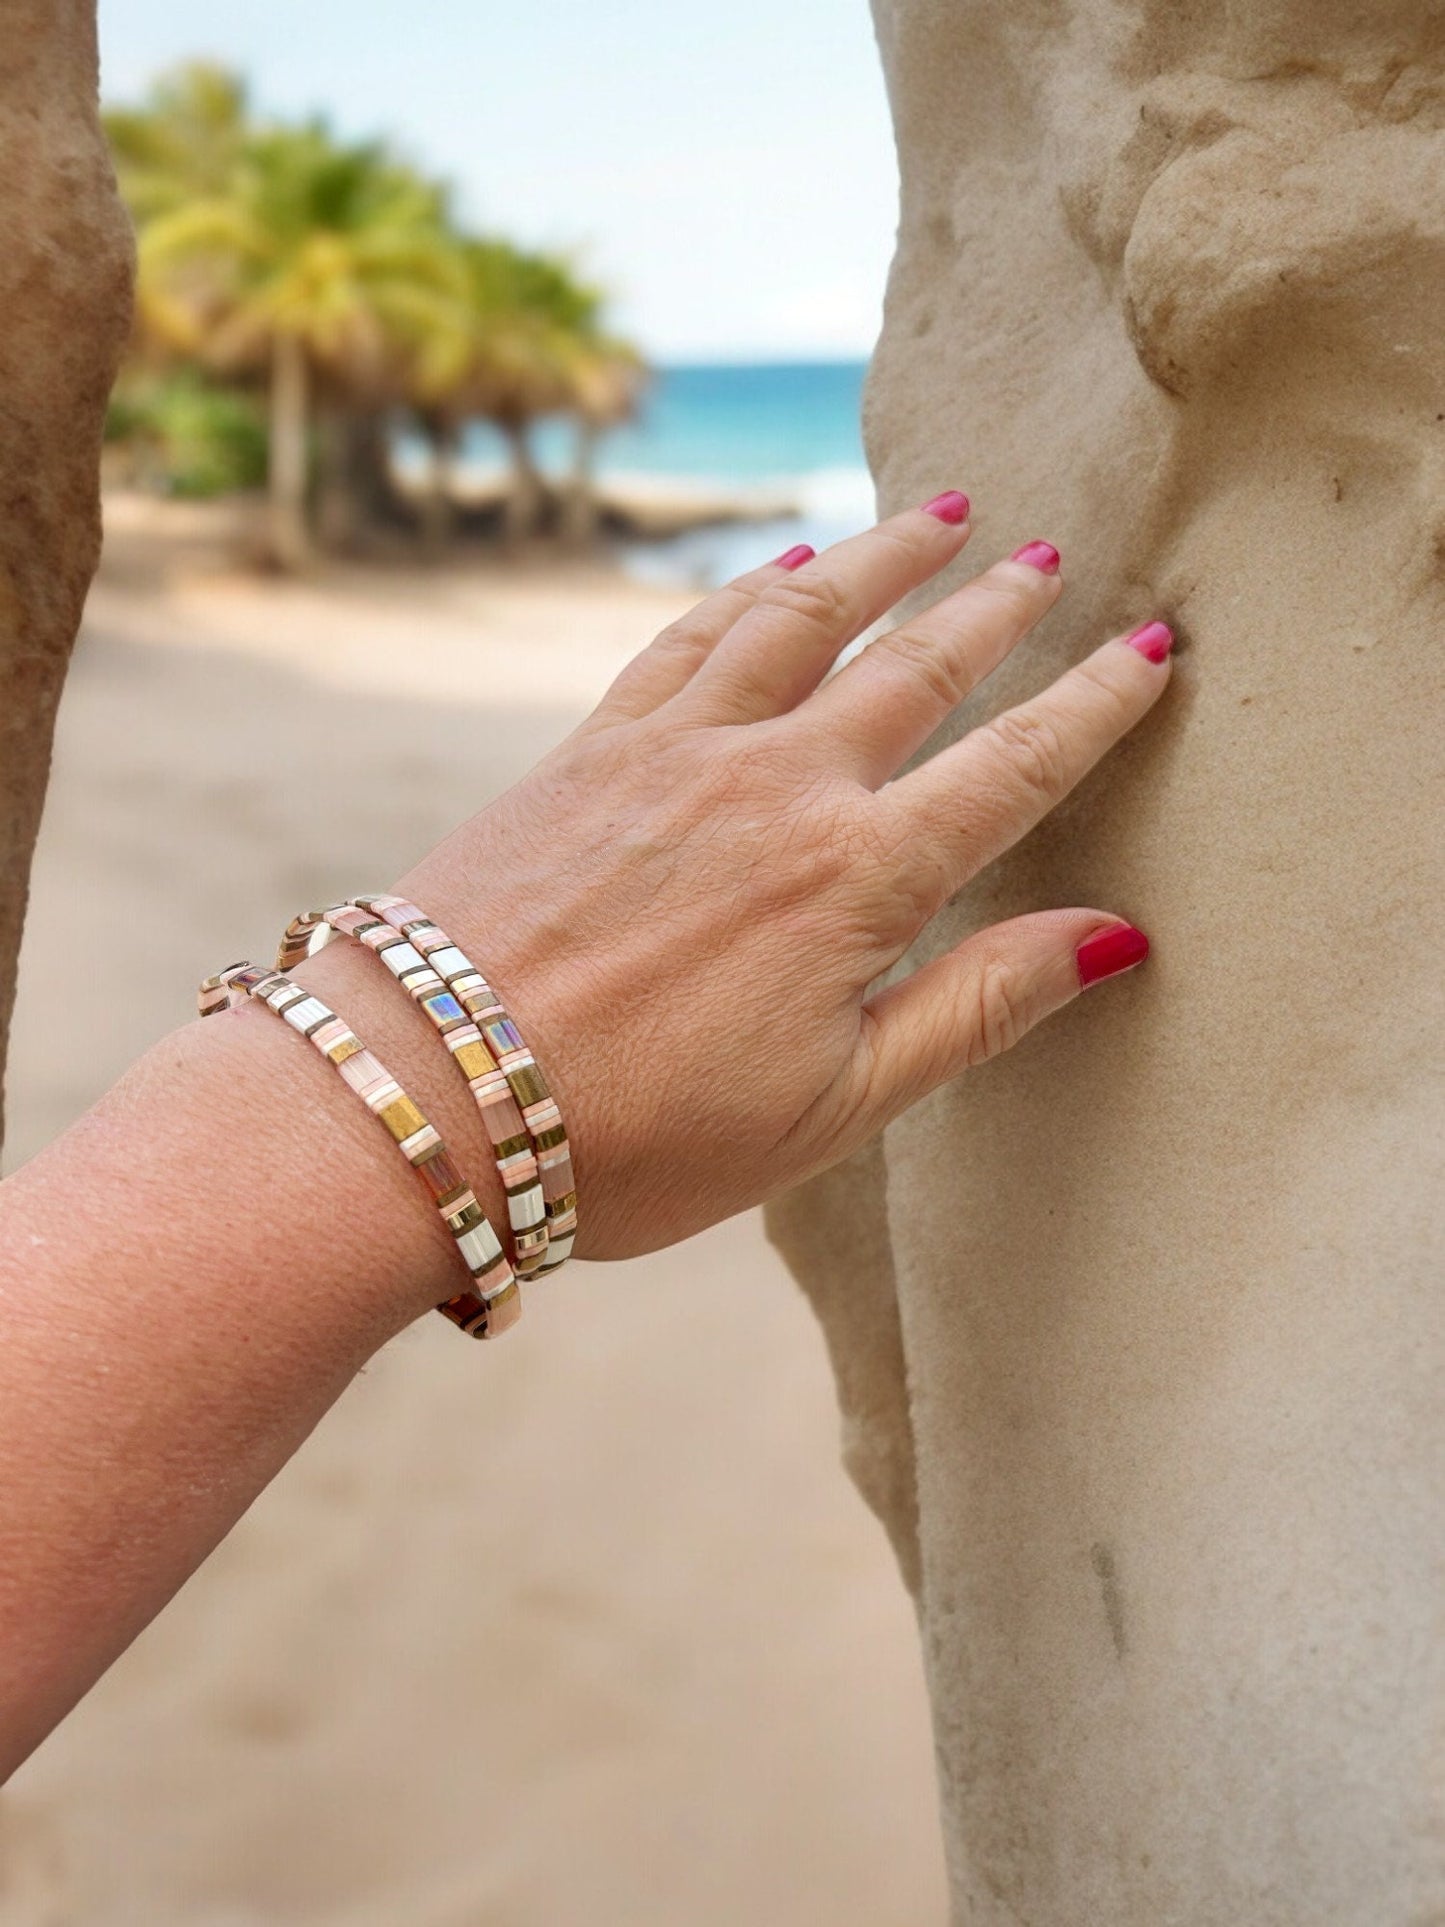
(794, 558)
(1039, 555)
(951, 506)
(1154, 640)
(1108, 952)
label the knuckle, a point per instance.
(1117, 706)
(863, 842)
(684, 639)
(842, 853)
(816, 600)
(903, 541)
(1033, 751)
(890, 892)
(1000, 1011)
(1016, 596)
(934, 668)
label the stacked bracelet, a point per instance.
(485, 1042)
(494, 1302)
(540, 1111)
(505, 1126)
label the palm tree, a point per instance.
(313, 262)
(607, 378)
(182, 143)
(497, 360)
(330, 276)
(523, 341)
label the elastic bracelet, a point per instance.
(494, 1302)
(501, 1115)
(499, 1032)
(418, 944)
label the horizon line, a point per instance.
(768, 358)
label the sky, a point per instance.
(724, 170)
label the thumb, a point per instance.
(978, 999)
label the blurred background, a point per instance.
(596, 275)
(471, 344)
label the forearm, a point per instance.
(189, 1278)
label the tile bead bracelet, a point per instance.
(501, 1114)
(504, 1042)
(494, 1302)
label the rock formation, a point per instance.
(65, 271)
(1137, 1329)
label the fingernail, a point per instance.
(794, 558)
(1154, 640)
(1038, 555)
(951, 506)
(1108, 952)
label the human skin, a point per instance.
(1139, 1334)
(684, 906)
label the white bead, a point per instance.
(526, 1208)
(448, 961)
(400, 958)
(479, 1247)
(303, 1015)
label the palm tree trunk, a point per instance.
(439, 503)
(523, 507)
(336, 513)
(579, 513)
(287, 475)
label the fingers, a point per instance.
(890, 698)
(778, 651)
(978, 1000)
(673, 657)
(974, 800)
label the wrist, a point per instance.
(425, 1268)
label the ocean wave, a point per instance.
(842, 495)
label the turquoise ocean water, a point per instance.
(790, 428)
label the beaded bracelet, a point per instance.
(495, 1302)
(540, 1110)
(511, 1142)
(421, 945)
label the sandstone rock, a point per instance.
(65, 275)
(1145, 1374)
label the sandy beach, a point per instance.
(586, 1630)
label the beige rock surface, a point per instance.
(65, 256)
(1145, 1374)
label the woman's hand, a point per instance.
(685, 903)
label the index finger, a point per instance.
(672, 658)
(781, 648)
